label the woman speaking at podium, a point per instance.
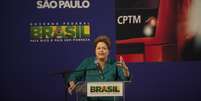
(100, 67)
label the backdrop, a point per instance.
(26, 66)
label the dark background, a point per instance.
(25, 69)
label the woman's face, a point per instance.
(102, 51)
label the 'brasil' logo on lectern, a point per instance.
(95, 89)
(105, 88)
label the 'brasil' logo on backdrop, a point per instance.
(59, 32)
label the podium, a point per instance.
(101, 91)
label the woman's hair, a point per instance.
(103, 38)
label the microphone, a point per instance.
(98, 66)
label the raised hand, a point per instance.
(122, 64)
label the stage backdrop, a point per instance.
(158, 30)
(41, 39)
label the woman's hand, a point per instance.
(71, 87)
(123, 65)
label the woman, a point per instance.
(100, 67)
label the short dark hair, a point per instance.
(103, 38)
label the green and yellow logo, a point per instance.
(95, 89)
(78, 31)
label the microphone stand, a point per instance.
(64, 74)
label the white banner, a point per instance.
(95, 89)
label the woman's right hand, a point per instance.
(71, 87)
